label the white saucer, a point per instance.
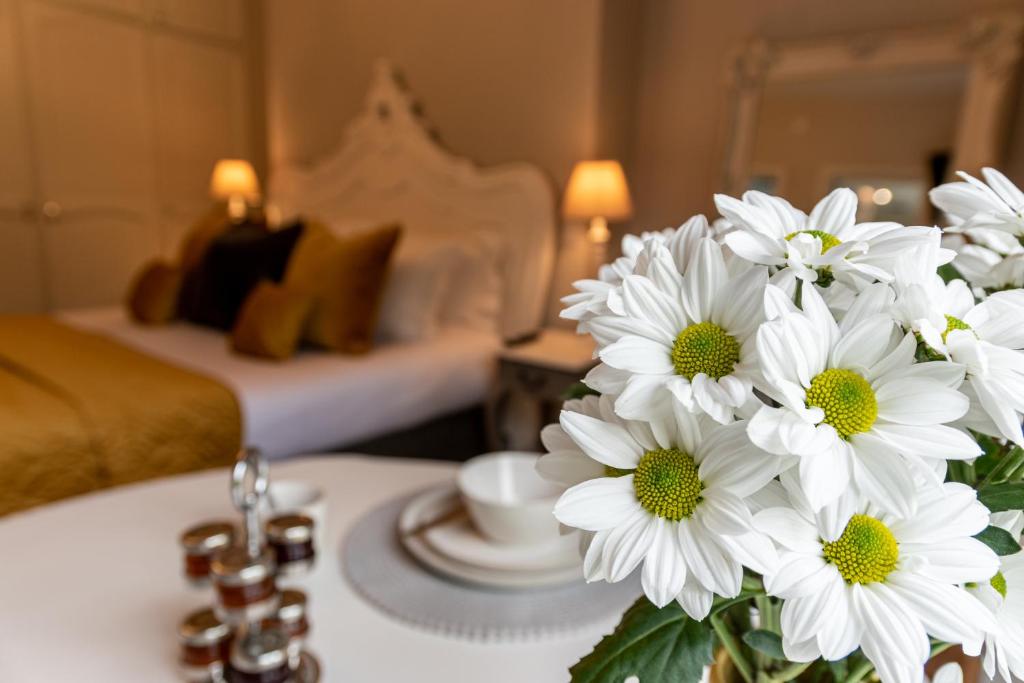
(454, 548)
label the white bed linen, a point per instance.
(318, 400)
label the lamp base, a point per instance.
(598, 231)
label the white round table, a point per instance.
(91, 588)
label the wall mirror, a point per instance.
(887, 114)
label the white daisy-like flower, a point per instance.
(985, 338)
(671, 496)
(825, 245)
(600, 296)
(854, 576)
(692, 334)
(1003, 594)
(854, 406)
(994, 204)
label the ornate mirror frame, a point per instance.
(990, 46)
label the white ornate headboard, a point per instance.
(390, 167)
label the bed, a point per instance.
(389, 167)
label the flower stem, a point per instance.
(1006, 466)
(732, 647)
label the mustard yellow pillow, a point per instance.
(270, 322)
(153, 296)
(346, 277)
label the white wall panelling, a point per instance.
(121, 108)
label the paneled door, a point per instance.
(91, 103)
(200, 117)
(21, 281)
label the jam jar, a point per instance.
(291, 537)
(291, 619)
(245, 585)
(205, 646)
(260, 657)
(201, 543)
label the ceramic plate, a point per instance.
(454, 548)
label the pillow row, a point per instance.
(273, 289)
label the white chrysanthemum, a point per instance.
(669, 495)
(600, 297)
(826, 244)
(994, 204)
(854, 406)
(985, 338)
(853, 576)
(1003, 594)
(689, 333)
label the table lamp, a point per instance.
(235, 182)
(597, 192)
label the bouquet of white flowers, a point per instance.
(805, 432)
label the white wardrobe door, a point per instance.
(21, 284)
(201, 117)
(94, 149)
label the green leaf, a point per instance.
(1002, 497)
(1000, 540)
(765, 642)
(947, 272)
(579, 390)
(652, 644)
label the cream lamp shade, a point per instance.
(234, 181)
(597, 191)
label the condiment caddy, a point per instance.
(255, 631)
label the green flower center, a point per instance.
(828, 240)
(865, 553)
(954, 324)
(999, 583)
(667, 484)
(705, 347)
(847, 399)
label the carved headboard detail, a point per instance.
(390, 166)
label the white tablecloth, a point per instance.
(91, 588)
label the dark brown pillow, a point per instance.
(235, 262)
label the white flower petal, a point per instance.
(800, 575)
(705, 277)
(882, 475)
(598, 504)
(957, 560)
(919, 402)
(664, 572)
(695, 599)
(627, 544)
(640, 355)
(933, 441)
(788, 529)
(947, 612)
(609, 444)
(825, 475)
(706, 560)
(568, 467)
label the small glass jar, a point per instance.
(201, 543)
(260, 657)
(245, 585)
(205, 646)
(308, 670)
(291, 537)
(291, 619)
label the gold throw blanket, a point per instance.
(79, 412)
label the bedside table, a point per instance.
(533, 379)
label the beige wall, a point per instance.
(683, 104)
(502, 81)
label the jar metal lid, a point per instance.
(202, 627)
(206, 538)
(234, 567)
(290, 529)
(292, 607)
(260, 651)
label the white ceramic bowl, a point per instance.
(508, 501)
